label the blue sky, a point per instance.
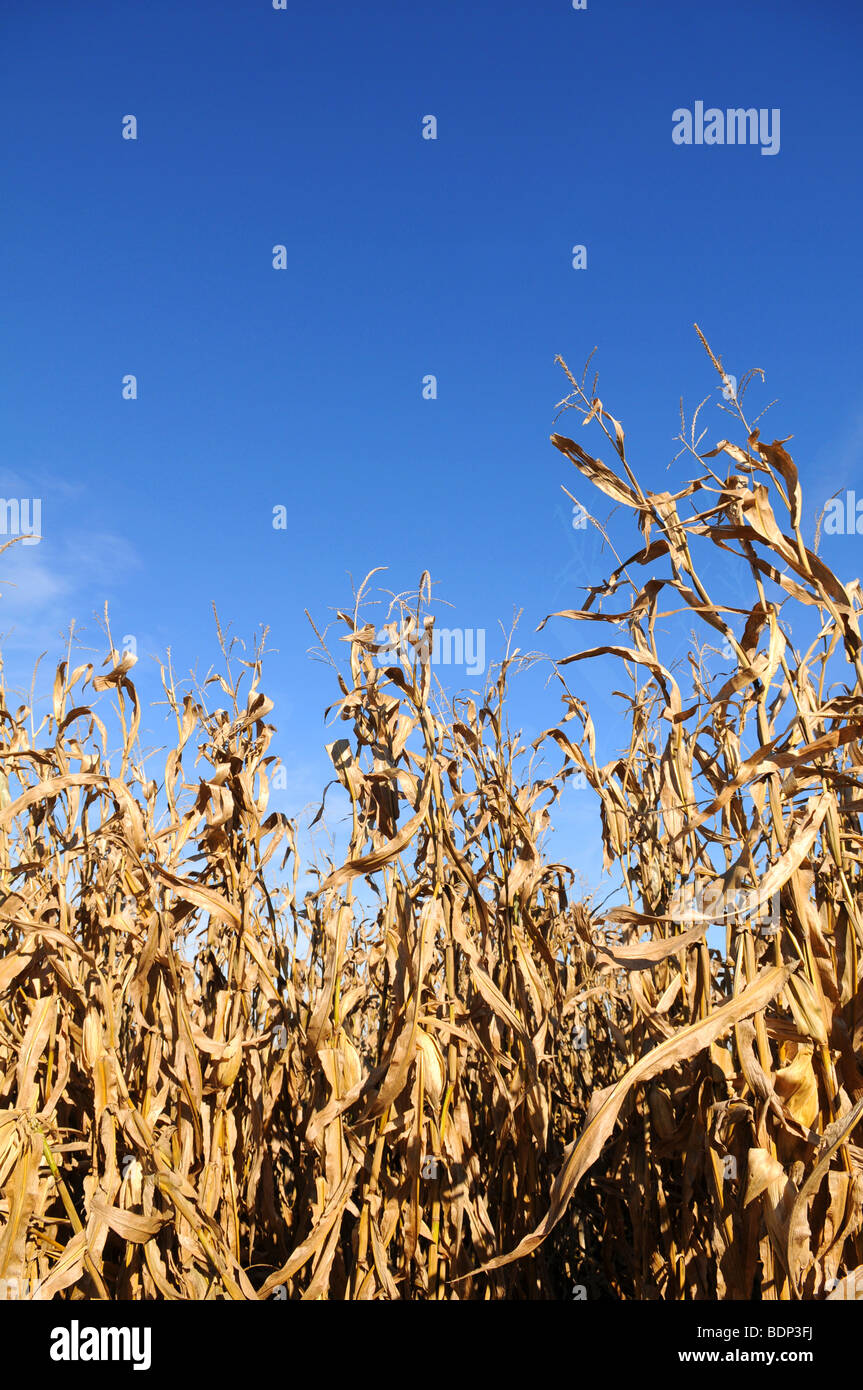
(406, 257)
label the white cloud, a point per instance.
(46, 586)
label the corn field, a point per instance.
(436, 1072)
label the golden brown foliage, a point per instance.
(474, 1087)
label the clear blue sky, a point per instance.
(406, 257)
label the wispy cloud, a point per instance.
(45, 586)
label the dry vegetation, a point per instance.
(438, 1074)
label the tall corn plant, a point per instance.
(732, 1169)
